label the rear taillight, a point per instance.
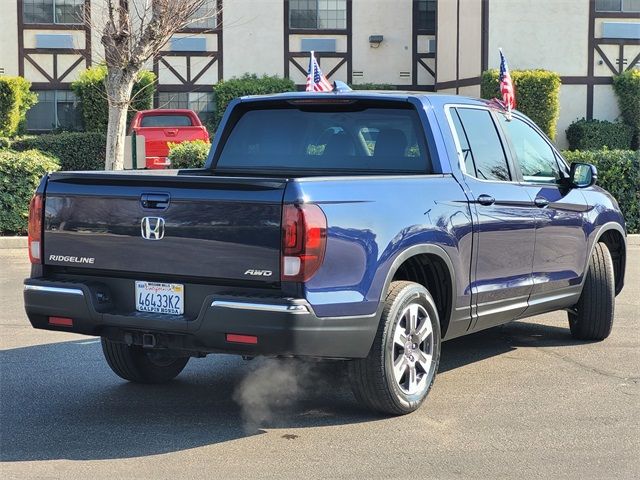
(304, 239)
(35, 229)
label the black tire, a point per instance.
(372, 379)
(592, 317)
(133, 363)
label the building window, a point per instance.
(200, 102)
(206, 17)
(56, 109)
(618, 6)
(53, 11)
(318, 14)
(426, 21)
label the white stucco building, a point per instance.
(432, 45)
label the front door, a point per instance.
(561, 242)
(504, 221)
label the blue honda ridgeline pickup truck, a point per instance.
(364, 227)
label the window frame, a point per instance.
(425, 31)
(516, 175)
(561, 163)
(54, 24)
(328, 31)
(55, 105)
(621, 10)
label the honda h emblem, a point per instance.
(152, 228)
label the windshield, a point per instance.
(307, 139)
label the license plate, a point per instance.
(166, 298)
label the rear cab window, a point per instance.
(155, 120)
(357, 137)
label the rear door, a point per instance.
(561, 241)
(504, 230)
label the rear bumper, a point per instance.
(283, 326)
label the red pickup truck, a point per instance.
(163, 126)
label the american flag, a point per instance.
(506, 85)
(316, 81)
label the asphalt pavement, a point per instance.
(523, 400)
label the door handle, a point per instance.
(541, 202)
(485, 199)
(155, 201)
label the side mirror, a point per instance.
(583, 175)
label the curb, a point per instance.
(21, 242)
(13, 242)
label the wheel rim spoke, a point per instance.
(413, 379)
(412, 323)
(399, 337)
(424, 360)
(399, 367)
(424, 329)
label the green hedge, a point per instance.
(189, 154)
(619, 174)
(372, 86)
(90, 89)
(74, 150)
(597, 134)
(226, 90)
(5, 142)
(20, 174)
(627, 88)
(15, 99)
(537, 95)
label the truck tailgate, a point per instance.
(195, 226)
(157, 139)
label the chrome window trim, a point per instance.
(265, 307)
(42, 288)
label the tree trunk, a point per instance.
(119, 85)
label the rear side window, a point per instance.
(484, 156)
(342, 138)
(166, 121)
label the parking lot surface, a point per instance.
(523, 400)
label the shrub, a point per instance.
(226, 90)
(189, 154)
(20, 174)
(597, 134)
(4, 142)
(74, 150)
(619, 174)
(90, 89)
(537, 95)
(627, 88)
(15, 99)
(373, 86)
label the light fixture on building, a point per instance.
(375, 40)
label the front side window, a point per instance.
(618, 6)
(426, 21)
(318, 14)
(53, 11)
(55, 109)
(533, 154)
(363, 139)
(484, 157)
